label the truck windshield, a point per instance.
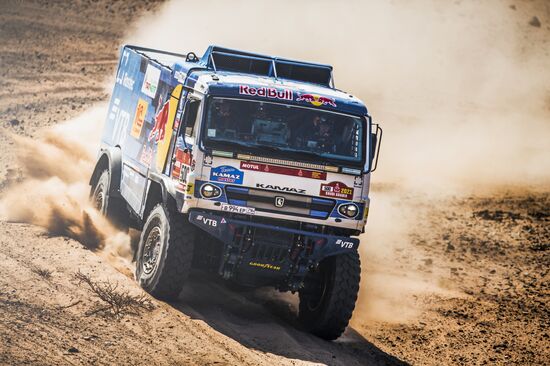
(284, 130)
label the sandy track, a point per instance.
(491, 251)
(213, 325)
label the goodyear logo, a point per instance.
(265, 266)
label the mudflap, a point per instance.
(267, 255)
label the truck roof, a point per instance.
(227, 72)
(231, 84)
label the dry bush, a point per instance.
(116, 303)
(42, 272)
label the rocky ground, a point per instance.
(495, 251)
(492, 250)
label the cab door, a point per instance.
(182, 159)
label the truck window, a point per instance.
(191, 109)
(285, 131)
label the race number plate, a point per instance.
(238, 209)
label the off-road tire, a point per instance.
(175, 253)
(114, 208)
(328, 298)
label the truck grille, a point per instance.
(271, 246)
(294, 204)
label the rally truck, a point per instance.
(251, 166)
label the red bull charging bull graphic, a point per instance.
(316, 100)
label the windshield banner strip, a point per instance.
(266, 168)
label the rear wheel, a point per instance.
(114, 208)
(328, 297)
(165, 253)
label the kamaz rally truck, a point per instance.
(251, 166)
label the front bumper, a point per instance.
(261, 254)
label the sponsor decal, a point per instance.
(226, 174)
(207, 161)
(265, 266)
(122, 77)
(158, 131)
(125, 80)
(146, 155)
(207, 221)
(121, 123)
(282, 189)
(358, 181)
(238, 209)
(283, 170)
(139, 118)
(336, 190)
(164, 125)
(344, 244)
(273, 93)
(181, 187)
(190, 188)
(182, 161)
(114, 108)
(316, 100)
(180, 75)
(151, 81)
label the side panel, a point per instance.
(140, 121)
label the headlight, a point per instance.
(349, 210)
(209, 191)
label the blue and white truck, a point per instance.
(252, 166)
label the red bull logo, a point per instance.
(284, 94)
(316, 100)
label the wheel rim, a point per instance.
(151, 250)
(99, 197)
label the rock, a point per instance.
(14, 122)
(513, 7)
(450, 246)
(73, 350)
(535, 22)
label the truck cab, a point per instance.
(253, 166)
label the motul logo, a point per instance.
(282, 189)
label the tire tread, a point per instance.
(179, 256)
(341, 303)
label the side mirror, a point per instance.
(375, 142)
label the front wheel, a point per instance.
(165, 253)
(328, 297)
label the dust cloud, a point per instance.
(460, 88)
(51, 188)
(463, 97)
